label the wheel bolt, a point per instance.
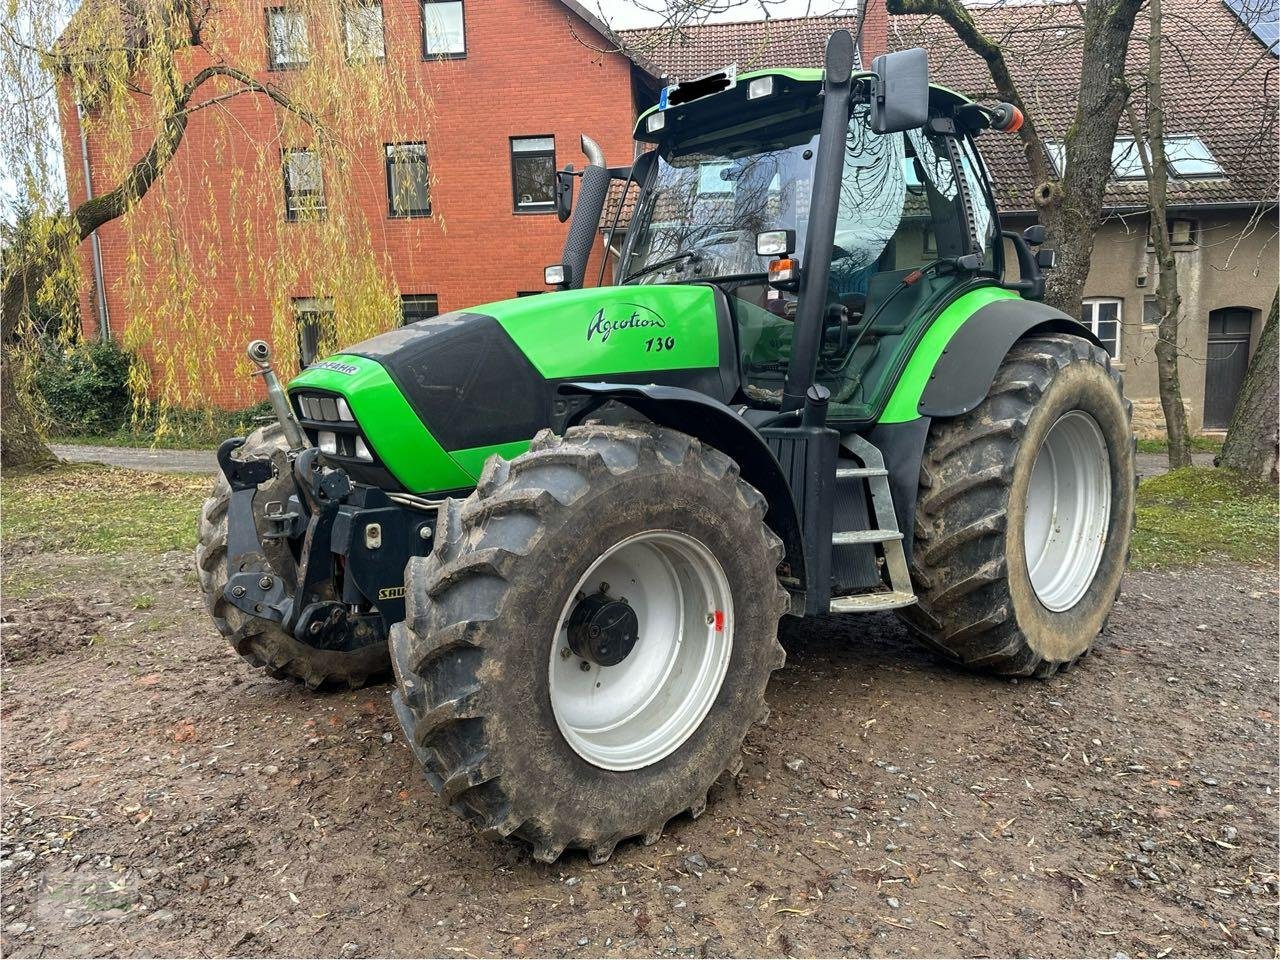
(565, 653)
(604, 586)
(584, 666)
(711, 618)
(237, 592)
(265, 583)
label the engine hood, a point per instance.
(484, 380)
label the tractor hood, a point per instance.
(431, 401)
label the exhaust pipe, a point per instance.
(586, 215)
(260, 353)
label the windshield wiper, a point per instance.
(664, 262)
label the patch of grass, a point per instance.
(86, 508)
(1198, 514)
(1198, 445)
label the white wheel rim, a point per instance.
(642, 709)
(1068, 511)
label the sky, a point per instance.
(626, 14)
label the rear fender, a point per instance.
(963, 374)
(714, 424)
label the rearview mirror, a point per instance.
(564, 193)
(900, 100)
(776, 243)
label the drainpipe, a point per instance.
(100, 293)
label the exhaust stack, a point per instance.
(586, 216)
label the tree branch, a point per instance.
(93, 213)
(956, 16)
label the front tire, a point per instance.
(503, 721)
(1025, 513)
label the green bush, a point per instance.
(84, 388)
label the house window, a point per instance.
(1151, 315)
(1186, 157)
(1189, 158)
(444, 32)
(362, 31)
(419, 306)
(303, 186)
(1102, 316)
(533, 173)
(408, 180)
(317, 329)
(1182, 233)
(287, 44)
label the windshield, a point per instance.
(700, 217)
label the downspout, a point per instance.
(815, 267)
(100, 293)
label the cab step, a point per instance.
(869, 602)
(848, 473)
(885, 535)
(847, 537)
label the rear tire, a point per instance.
(482, 707)
(261, 642)
(981, 602)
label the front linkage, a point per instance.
(336, 578)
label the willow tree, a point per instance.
(140, 79)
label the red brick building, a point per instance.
(458, 202)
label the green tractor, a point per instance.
(571, 523)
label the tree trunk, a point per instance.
(1253, 437)
(1071, 210)
(1154, 163)
(21, 445)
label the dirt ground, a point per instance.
(161, 798)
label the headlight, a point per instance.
(331, 426)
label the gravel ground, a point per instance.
(162, 798)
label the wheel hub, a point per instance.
(648, 667)
(603, 630)
(1067, 510)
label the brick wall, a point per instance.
(530, 70)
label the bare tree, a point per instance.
(1069, 206)
(1151, 150)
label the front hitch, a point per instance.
(349, 546)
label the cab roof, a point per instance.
(803, 80)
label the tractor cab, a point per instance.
(727, 198)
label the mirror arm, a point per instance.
(1031, 278)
